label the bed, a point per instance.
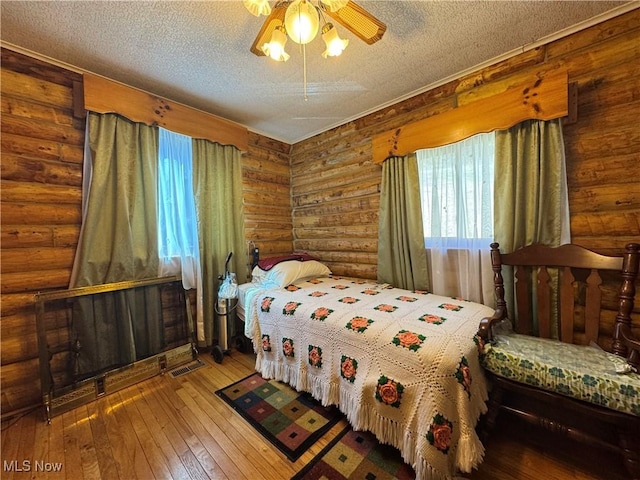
(401, 364)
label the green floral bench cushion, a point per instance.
(582, 372)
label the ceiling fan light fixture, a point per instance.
(299, 20)
(258, 7)
(302, 21)
(275, 48)
(335, 44)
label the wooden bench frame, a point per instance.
(598, 426)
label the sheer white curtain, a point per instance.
(456, 191)
(177, 228)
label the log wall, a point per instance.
(267, 204)
(335, 183)
(41, 179)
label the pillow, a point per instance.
(289, 271)
(258, 275)
(268, 263)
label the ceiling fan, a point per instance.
(300, 21)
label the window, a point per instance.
(456, 193)
(177, 228)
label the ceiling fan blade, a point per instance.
(359, 22)
(274, 20)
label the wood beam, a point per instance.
(542, 97)
(102, 95)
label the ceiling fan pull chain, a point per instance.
(304, 73)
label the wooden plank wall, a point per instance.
(41, 177)
(335, 185)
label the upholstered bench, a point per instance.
(568, 384)
(585, 373)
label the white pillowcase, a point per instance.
(288, 272)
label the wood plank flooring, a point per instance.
(177, 428)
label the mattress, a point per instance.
(242, 295)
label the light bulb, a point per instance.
(275, 48)
(302, 21)
(335, 45)
(258, 7)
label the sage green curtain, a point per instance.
(402, 258)
(530, 185)
(119, 235)
(118, 242)
(530, 196)
(217, 171)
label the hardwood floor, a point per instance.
(177, 428)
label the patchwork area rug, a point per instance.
(356, 455)
(290, 420)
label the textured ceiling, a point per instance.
(197, 52)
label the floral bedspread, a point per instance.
(401, 364)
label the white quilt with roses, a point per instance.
(401, 364)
